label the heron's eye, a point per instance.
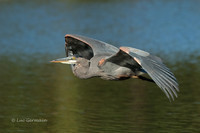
(73, 58)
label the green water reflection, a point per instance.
(36, 89)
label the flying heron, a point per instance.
(93, 58)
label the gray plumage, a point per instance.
(92, 58)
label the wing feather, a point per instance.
(162, 75)
(87, 47)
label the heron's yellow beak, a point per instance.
(66, 60)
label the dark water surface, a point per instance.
(32, 33)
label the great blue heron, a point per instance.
(93, 58)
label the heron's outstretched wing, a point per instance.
(136, 59)
(121, 58)
(87, 47)
(154, 66)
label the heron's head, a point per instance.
(80, 66)
(66, 60)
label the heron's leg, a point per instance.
(135, 77)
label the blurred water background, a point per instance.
(32, 34)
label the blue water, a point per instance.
(164, 27)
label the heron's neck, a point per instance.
(82, 72)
